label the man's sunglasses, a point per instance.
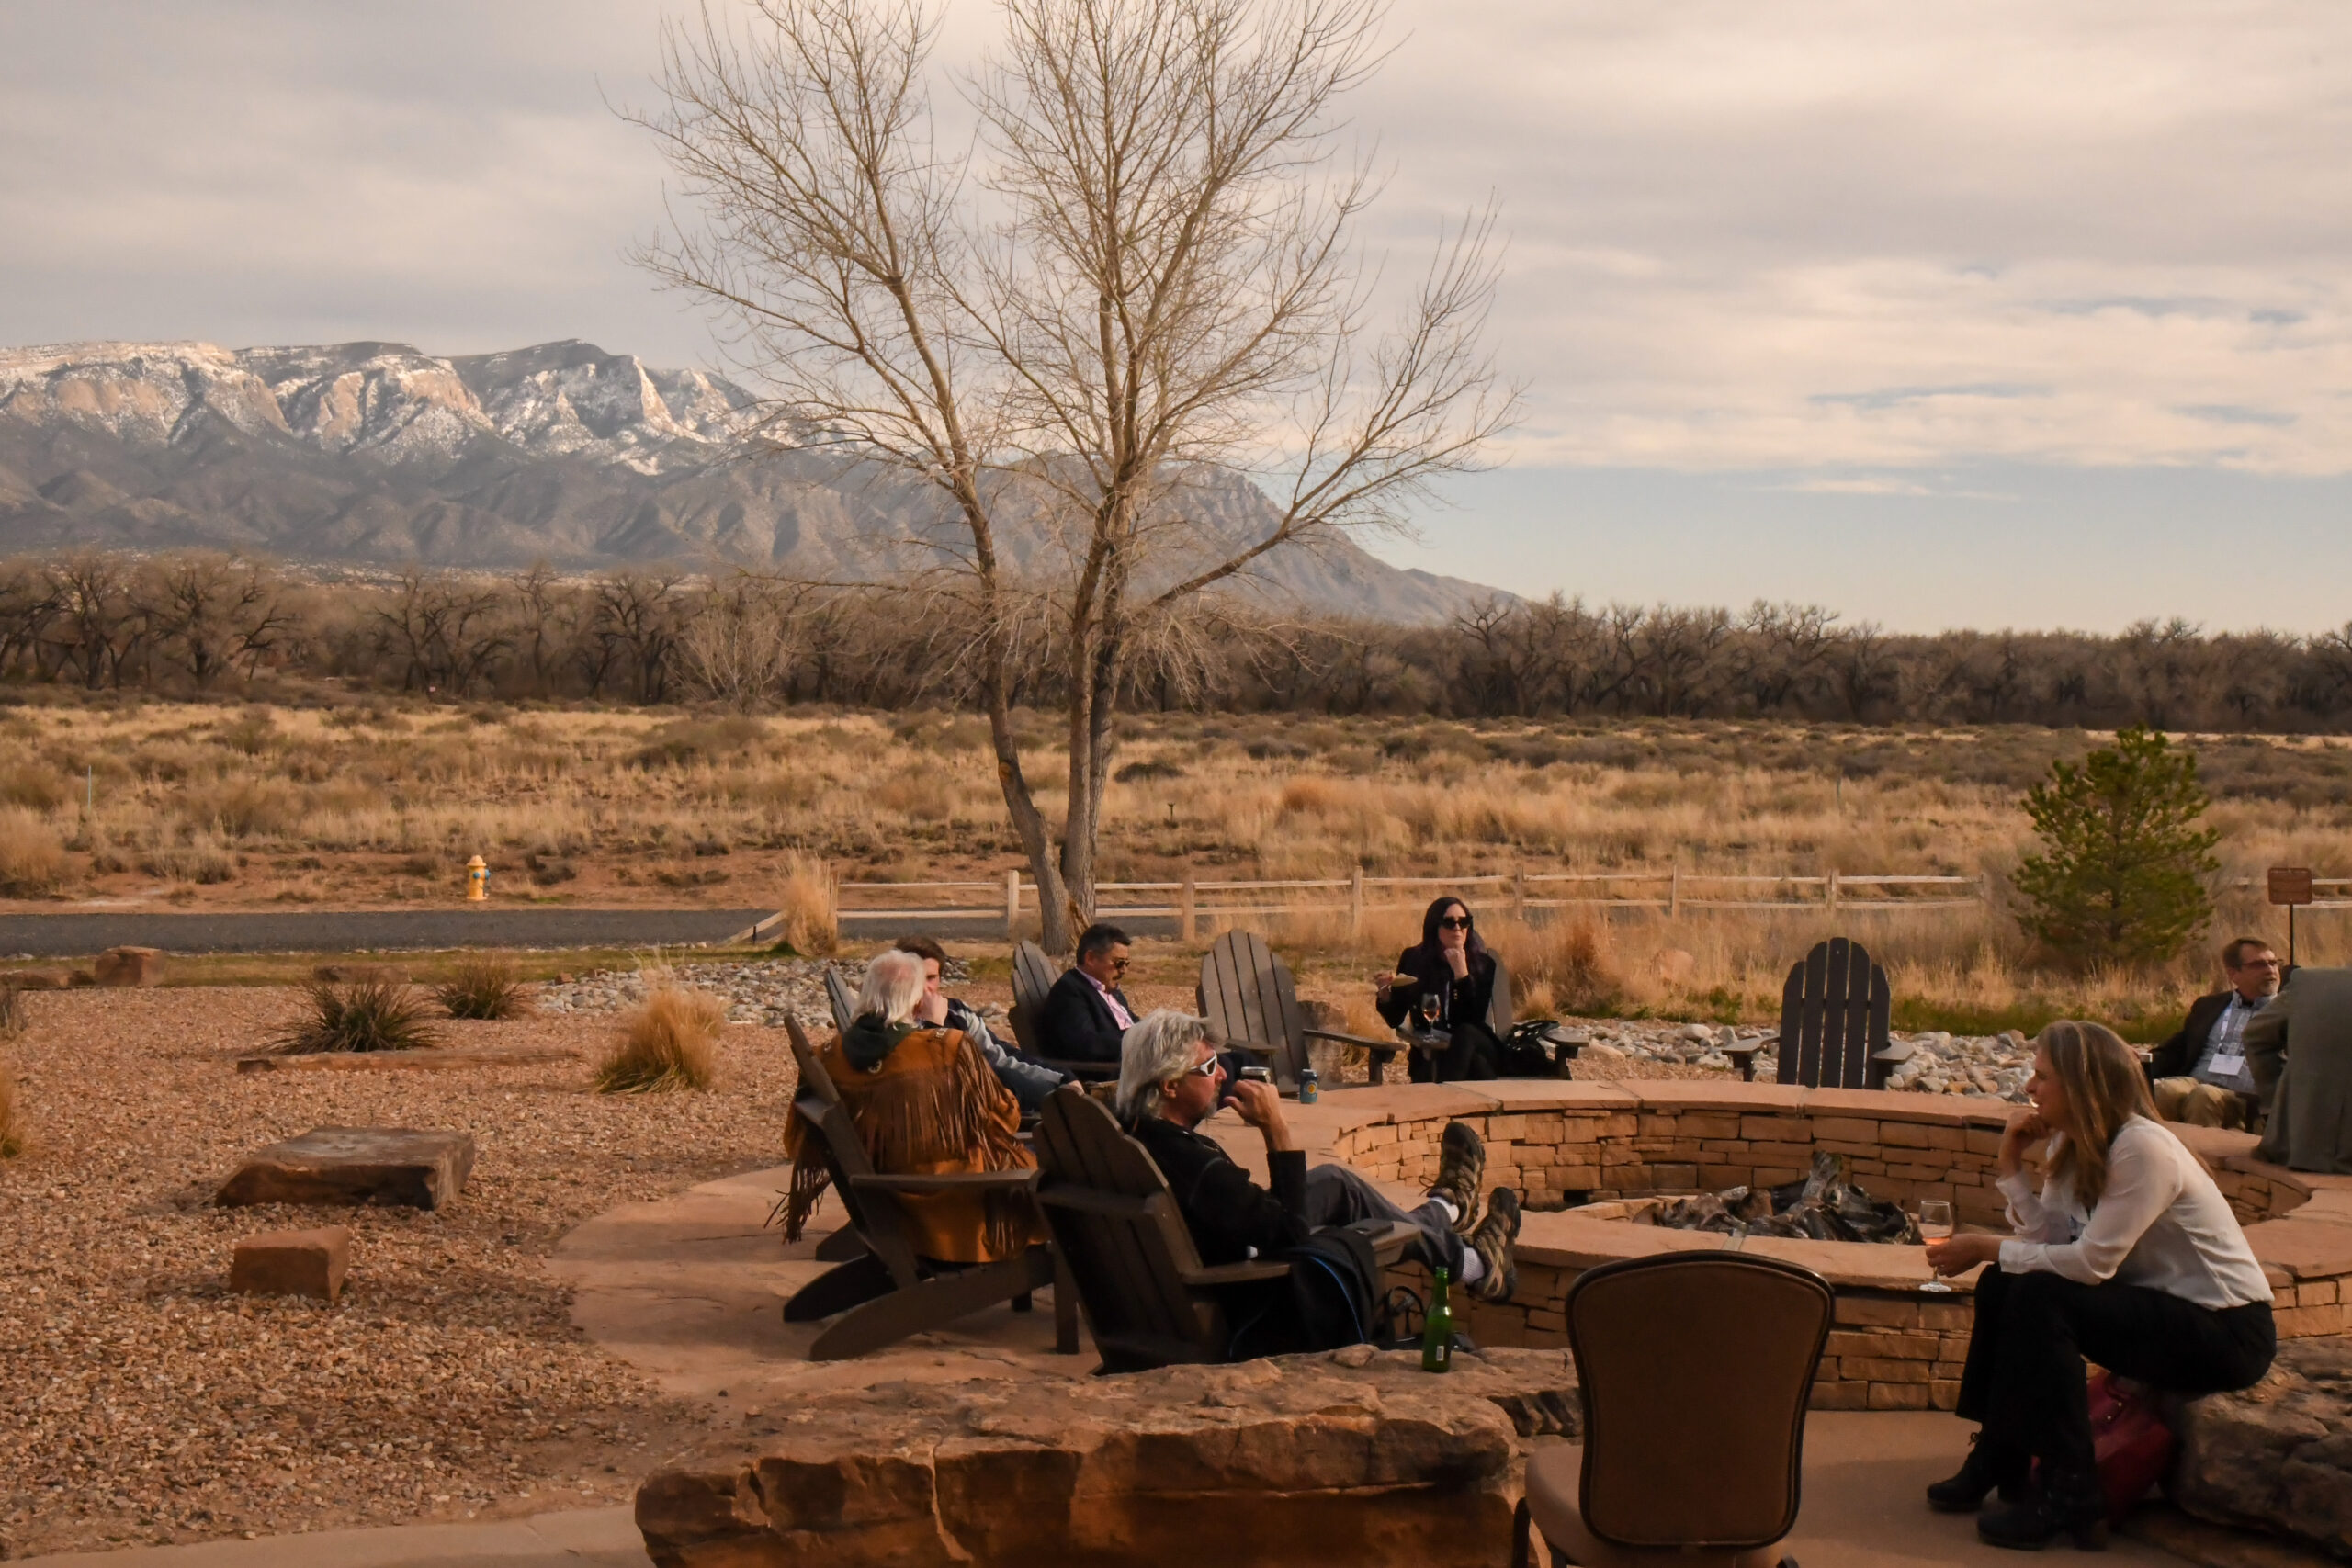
(1454, 923)
(1118, 966)
(1207, 1069)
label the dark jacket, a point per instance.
(1465, 1001)
(2176, 1057)
(2300, 1049)
(1076, 1025)
(1227, 1213)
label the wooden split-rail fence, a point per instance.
(1190, 900)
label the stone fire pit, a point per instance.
(1568, 1147)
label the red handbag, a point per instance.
(2133, 1445)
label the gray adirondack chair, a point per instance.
(838, 998)
(1833, 1020)
(886, 1291)
(1247, 994)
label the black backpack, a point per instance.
(1330, 1299)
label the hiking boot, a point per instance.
(1494, 1241)
(2059, 1506)
(1461, 1167)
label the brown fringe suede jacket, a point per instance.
(926, 1104)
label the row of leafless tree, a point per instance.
(199, 622)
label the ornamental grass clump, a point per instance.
(484, 985)
(16, 1138)
(371, 1014)
(670, 1042)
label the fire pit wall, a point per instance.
(1894, 1346)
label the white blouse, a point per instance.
(2160, 1223)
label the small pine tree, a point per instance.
(2122, 875)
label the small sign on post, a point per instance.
(2291, 885)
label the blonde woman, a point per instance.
(2128, 1256)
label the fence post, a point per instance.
(833, 879)
(1012, 906)
(1186, 910)
(1674, 894)
(1833, 892)
(1518, 891)
(1355, 901)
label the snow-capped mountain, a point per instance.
(561, 452)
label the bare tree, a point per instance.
(738, 644)
(208, 611)
(1142, 268)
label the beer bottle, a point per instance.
(1437, 1332)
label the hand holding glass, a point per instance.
(1935, 1224)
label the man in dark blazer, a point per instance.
(2201, 1074)
(1085, 1014)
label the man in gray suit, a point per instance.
(2300, 1048)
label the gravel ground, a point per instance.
(140, 1402)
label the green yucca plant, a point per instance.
(375, 1014)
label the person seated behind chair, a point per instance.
(1086, 1013)
(2200, 1075)
(1452, 988)
(1029, 1081)
(2300, 1050)
(2128, 1254)
(1170, 1080)
(924, 1104)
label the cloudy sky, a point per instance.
(2001, 313)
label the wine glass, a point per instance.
(1935, 1224)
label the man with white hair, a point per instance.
(1170, 1080)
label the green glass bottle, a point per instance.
(1437, 1332)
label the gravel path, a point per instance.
(140, 1402)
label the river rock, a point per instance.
(1356, 1456)
(2277, 1457)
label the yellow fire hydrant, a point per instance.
(476, 881)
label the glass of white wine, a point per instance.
(1935, 1224)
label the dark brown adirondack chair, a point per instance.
(1501, 1016)
(1246, 994)
(886, 1293)
(837, 997)
(1150, 1301)
(1033, 977)
(1833, 1019)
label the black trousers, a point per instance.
(2025, 1381)
(1338, 1196)
(1476, 1055)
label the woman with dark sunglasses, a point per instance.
(1448, 982)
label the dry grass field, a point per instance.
(380, 803)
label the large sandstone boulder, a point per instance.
(416, 1168)
(1352, 1457)
(2278, 1456)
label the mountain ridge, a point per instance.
(376, 452)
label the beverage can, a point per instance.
(1309, 1091)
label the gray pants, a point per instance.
(1338, 1196)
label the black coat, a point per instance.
(1467, 999)
(1076, 1025)
(2176, 1057)
(1227, 1213)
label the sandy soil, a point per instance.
(140, 1402)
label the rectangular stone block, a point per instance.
(401, 1165)
(1882, 1369)
(1839, 1396)
(292, 1263)
(129, 966)
(1899, 1396)
(1943, 1395)
(1876, 1311)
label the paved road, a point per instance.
(325, 930)
(879, 924)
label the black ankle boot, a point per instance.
(2069, 1506)
(1965, 1492)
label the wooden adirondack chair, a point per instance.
(1833, 1019)
(1501, 1016)
(886, 1293)
(1150, 1301)
(1033, 977)
(837, 997)
(1246, 994)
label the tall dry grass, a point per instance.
(805, 896)
(32, 862)
(15, 1134)
(670, 1042)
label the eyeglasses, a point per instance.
(1118, 966)
(1454, 923)
(1207, 1069)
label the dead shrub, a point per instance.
(203, 864)
(14, 1019)
(484, 985)
(376, 1013)
(32, 860)
(670, 1042)
(34, 786)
